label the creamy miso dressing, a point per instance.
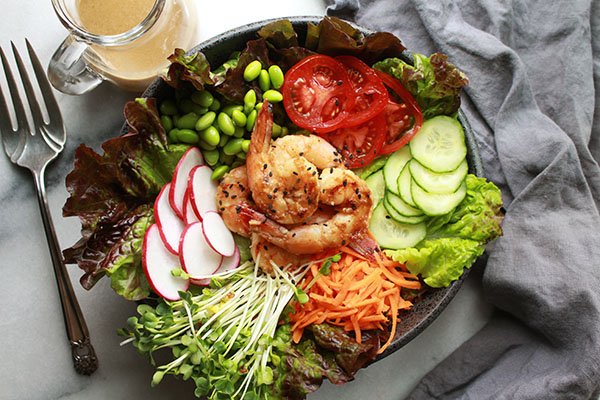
(135, 65)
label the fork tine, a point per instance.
(34, 106)
(56, 128)
(12, 141)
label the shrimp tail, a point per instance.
(365, 245)
(263, 130)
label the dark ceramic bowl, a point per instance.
(432, 303)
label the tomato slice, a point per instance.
(360, 144)
(317, 94)
(399, 116)
(370, 94)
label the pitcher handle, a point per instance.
(68, 72)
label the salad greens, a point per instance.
(112, 194)
(455, 240)
(434, 82)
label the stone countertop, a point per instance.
(35, 361)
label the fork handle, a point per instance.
(84, 356)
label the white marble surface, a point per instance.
(34, 355)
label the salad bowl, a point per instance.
(434, 301)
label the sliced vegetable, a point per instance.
(317, 94)
(437, 204)
(393, 167)
(396, 216)
(376, 183)
(391, 234)
(436, 182)
(401, 206)
(440, 144)
(198, 259)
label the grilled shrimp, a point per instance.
(283, 175)
(231, 192)
(266, 253)
(340, 189)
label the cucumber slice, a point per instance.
(401, 206)
(396, 216)
(438, 182)
(404, 182)
(393, 166)
(376, 183)
(437, 204)
(440, 144)
(391, 234)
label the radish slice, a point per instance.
(158, 263)
(169, 224)
(217, 234)
(189, 215)
(203, 190)
(228, 263)
(190, 159)
(196, 256)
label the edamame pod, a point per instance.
(252, 70)
(205, 121)
(276, 76)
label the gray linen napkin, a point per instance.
(533, 66)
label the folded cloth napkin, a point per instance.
(533, 66)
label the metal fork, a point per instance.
(34, 149)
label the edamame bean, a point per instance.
(284, 131)
(228, 109)
(166, 122)
(245, 145)
(211, 157)
(226, 159)
(241, 155)
(237, 163)
(216, 104)
(239, 132)
(188, 136)
(258, 107)
(187, 121)
(239, 118)
(225, 124)
(211, 136)
(199, 109)
(252, 70)
(203, 98)
(263, 80)
(276, 76)
(249, 101)
(185, 106)
(233, 147)
(224, 140)
(276, 132)
(250, 120)
(168, 107)
(173, 135)
(205, 146)
(273, 96)
(205, 121)
(219, 172)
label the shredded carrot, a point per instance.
(358, 295)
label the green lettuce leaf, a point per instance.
(434, 82)
(112, 194)
(454, 241)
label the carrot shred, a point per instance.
(357, 295)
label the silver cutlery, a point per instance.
(33, 147)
